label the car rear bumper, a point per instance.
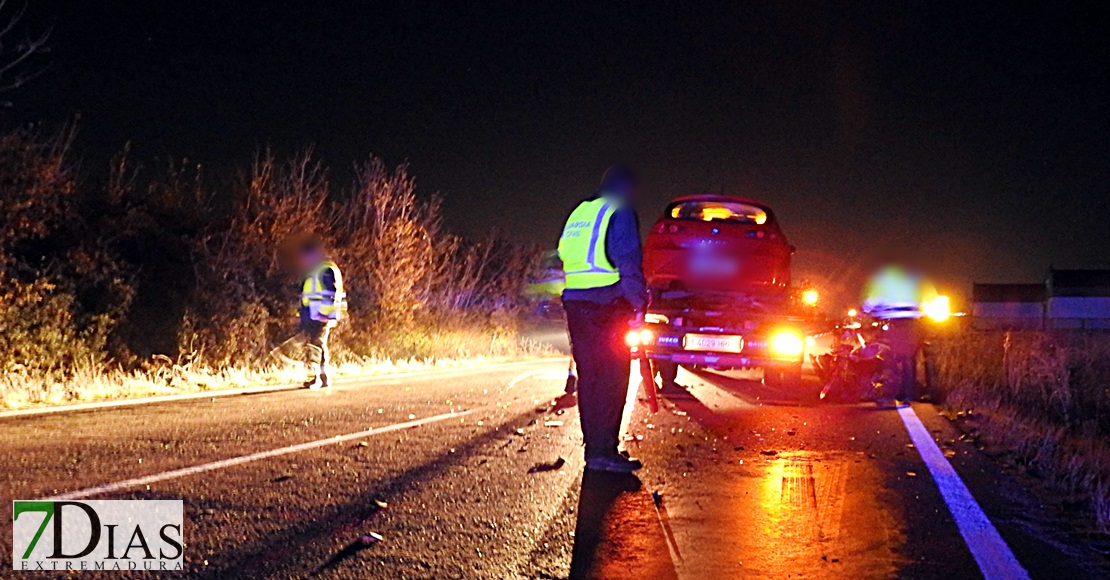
(719, 360)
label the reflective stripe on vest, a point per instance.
(582, 246)
(323, 304)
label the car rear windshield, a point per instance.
(711, 211)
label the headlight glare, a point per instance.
(787, 344)
(636, 338)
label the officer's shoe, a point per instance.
(886, 403)
(572, 385)
(314, 383)
(613, 464)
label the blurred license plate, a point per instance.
(714, 342)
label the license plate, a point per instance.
(714, 342)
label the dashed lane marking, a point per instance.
(996, 560)
(223, 463)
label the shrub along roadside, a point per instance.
(1043, 395)
(147, 281)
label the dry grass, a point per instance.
(1045, 396)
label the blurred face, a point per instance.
(624, 189)
(309, 259)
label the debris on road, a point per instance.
(369, 539)
(769, 452)
(542, 467)
(281, 478)
(552, 423)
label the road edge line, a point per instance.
(240, 460)
(995, 559)
(259, 390)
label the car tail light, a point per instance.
(636, 338)
(787, 343)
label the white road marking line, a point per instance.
(990, 551)
(186, 471)
(388, 377)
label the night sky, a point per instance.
(976, 138)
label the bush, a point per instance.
(38, 334)
(407, 279)
(61, 293)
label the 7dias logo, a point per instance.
(97, 535)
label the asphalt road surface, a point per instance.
(458, 471)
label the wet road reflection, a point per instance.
(616, 535)
(797, 505)
(600, 492)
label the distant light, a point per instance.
(810, 297)
(852, 313)
(938, 309)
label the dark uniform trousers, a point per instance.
(904, 337)
(597, 337)
(315, 346)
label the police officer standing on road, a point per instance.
(605, 294)
(323, 303)
(894, 296)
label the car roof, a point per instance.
(732, 198)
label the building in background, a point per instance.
(1078, 299)
(1008, 306)
(1067, 300)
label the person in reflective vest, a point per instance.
(605, 292)
(323, 304)
(895, 292)
(894, 296)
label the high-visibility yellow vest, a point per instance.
(324, 305)
(582, 246)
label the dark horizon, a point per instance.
(974, 138)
